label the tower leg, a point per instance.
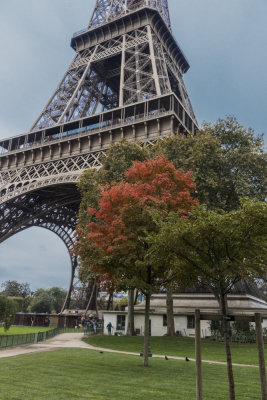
(91, 294)
(66, 304)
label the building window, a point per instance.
(164, 320)
(120, 322)
(190, 322)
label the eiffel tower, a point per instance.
(125, 81)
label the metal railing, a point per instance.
(98, 330)
(7, 341)
(240, 337)
(118, 117)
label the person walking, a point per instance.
(109, 327)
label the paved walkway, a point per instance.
(74, 340)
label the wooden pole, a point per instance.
(198, 355)
(262, 368)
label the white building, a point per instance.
(184, 311)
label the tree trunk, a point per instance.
(91, 295)
(226, 329)
(198, 355)
(110, 302)
(130, 326)
(170, 317)
(96, 304)
(136, 294)
(262, 367)
(146, 333)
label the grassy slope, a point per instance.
(22, 330)
(242, 353)
(82, 374)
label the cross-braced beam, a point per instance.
(16, 182)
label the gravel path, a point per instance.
(74, 340)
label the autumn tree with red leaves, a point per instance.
(115, 244)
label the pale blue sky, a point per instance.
(224, 41)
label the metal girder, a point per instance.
(108, 10)
(57, 204)
(15, 183)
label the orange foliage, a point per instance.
(125, 210)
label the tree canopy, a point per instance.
(227, 160)
(119, 159)
(16, 289)
(48, 300)
(57, 296)
(41, 302)
(218, 248)
(117, 235)
(8, 309)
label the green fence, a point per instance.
(240, 337)
(28, 338)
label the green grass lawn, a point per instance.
(177, 346)
(82, 374)
(22, 330)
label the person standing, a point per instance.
(94, 326)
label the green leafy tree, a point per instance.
(41, 302)
(89, 189)
(119, 159)
(57, 297)
(19, 293)
(23, 303)
(48, 300)
(228, 162)
(8, 309)
(16, 289)
(217, 249)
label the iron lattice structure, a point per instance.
(126, 67)
(106, 10)
(125, 81)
